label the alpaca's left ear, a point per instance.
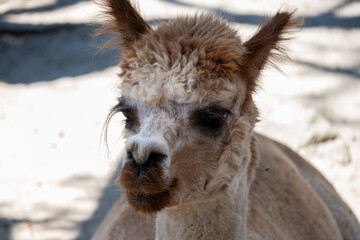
(265, 45)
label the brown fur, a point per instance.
(150, 181)
(223, 182)
(189, 40)
(147, 193)
(113, 226)
(129, 25)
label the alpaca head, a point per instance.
(187, 98)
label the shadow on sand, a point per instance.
(108, 197)
(54, 6)
(65, 51)
(327, 19)
(6, 224)
(45, 52)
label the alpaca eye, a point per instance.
(210, 121)
(129, 117)
(128, 112)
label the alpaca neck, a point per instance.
(223, 217)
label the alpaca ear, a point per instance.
(266, 45)
(123, 20)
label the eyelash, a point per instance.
(128, 114)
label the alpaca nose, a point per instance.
(153, 158)
(145, 152)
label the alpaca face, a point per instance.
(181, 99)
(174, 148)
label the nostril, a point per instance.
(155, 157)
(140, 169)
(130, 156)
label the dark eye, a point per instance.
(128, 112)
(210, 120)
(129, 117)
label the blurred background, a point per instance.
(56, 179)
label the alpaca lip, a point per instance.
(151, 202)
(142, 197)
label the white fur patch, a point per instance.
(145, 146)
(154, 82)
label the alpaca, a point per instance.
(194, 168)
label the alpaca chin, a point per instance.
(149, 203)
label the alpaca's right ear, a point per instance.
(266, 45)
(124, 20)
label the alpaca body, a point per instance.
(193, 165)
(287, 191)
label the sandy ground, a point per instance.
(56, 180)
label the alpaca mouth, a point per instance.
(149, 181)
(149, 203)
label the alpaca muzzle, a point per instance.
(144, 177)
(146, 187)
(145, 165)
